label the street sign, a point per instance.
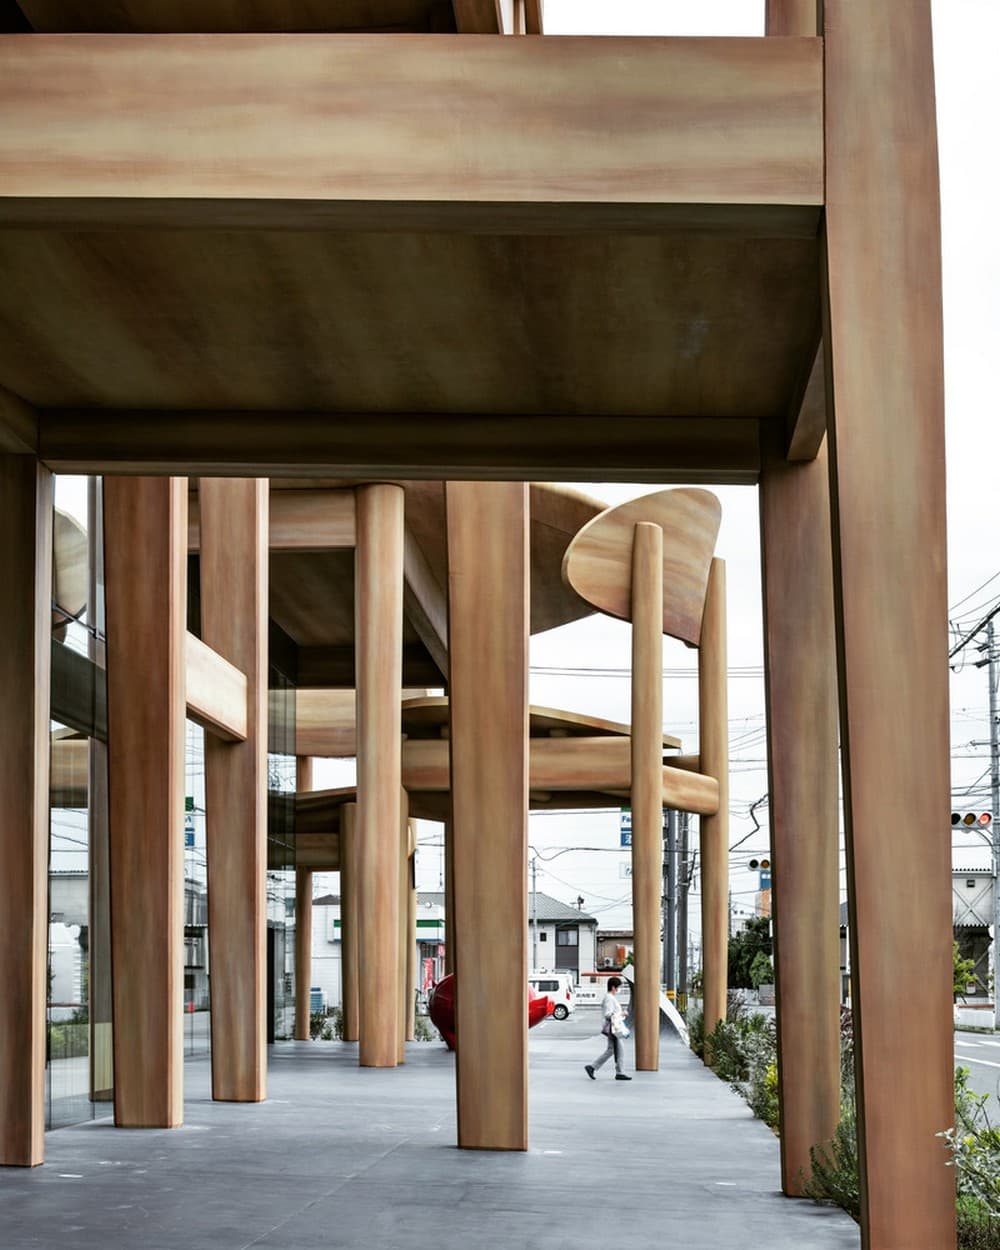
(188, 830)
(625, 871)
(765, 879)
(626, 827)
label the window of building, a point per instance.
(568, 937)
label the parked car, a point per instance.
(559, 987)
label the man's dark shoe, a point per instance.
(620, 1076)
(589, 1069)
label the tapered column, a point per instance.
(145, 554)
(303, 920)
(884, 373)
(411, 941)
(26, 558)
(713, 721)
(450, 932)
(234, 553)
(487, 525)
(801, 680)
(378, 605)
(647, 786)
(349, 975)
(404, 916)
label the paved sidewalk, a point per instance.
(345, 1157)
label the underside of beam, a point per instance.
(428, 446)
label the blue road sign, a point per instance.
(626, 827)
(765, 879)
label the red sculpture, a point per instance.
(441, 1006)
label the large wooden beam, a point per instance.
(488, 583)
(300, 520)
(562, 764)
(234, 552)
(425, 602)
(378, 603)
(376, 446)
(215, 690)
(145, 554)
(646, 745)
(801, 682)
(713, 734)
(884, 372)
(264, 130)
(26, 558)
(325, 723)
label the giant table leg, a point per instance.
(647, 786)
(145, 545)
(234, 554)
(713, 721)
(26, 558)
(379, 669)
(884, 373)
(801, 674)
(487, 526)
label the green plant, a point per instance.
(744, 947)
(975, 1148)
(835, 1167)
(422, 1029)
(696, 1032)
(964, 972)
(761, 970)
(977, 1229)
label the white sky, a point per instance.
(966, 32)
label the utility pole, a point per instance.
(683, 883)
(995, 813)
(670, 905)
(534, 912)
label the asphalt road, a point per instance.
(980, 1053)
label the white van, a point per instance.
(559, 987)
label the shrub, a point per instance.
(423, 1030)
(327, 1026)
(835, 1167)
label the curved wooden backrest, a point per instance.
(598, 562)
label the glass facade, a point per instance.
(281, 784)
(78, 1009)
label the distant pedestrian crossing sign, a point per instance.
(626, 827)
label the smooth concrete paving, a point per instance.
(347, 1157)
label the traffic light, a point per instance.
(971, 820)
(762, 864)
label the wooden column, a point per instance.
(450, 932)
(349, 976)
(379, 677)
(647, 787)
(26, 558)
(801, 678)
(145, 570)
(411, 941)
(234, 553)
(303, 920)
(404, 916)
(713, 720)
(487, 525)
(884, 373)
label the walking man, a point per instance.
(614, 1030)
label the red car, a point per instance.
(441, 1007)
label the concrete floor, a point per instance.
(345, 1157)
